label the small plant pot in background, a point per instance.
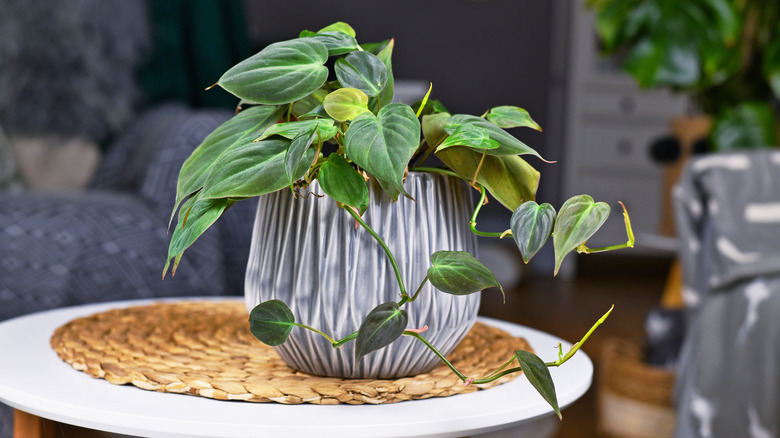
(309, 253)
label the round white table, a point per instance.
(34, 380)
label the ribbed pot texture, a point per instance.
(308, 252)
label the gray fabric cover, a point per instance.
(728, 219)
(110, 242)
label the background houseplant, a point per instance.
(724, 53)
(299, 122)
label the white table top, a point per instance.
(35, 380)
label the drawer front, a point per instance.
(637, 103)
(618, 149)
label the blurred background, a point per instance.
(101, 99)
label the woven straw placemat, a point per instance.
(206, 349)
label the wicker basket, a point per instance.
(634, 399)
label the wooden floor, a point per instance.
(567, 308)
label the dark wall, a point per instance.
(477, 54)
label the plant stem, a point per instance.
(582, 249)
(473, 222)
(385, 248)
(343, 341)
(479, 166)
(494, 376)
(579, 344)
(436, 352)
(414, 297)
(316, 331)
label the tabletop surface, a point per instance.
(35, 380)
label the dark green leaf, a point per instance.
(578, 219)
(539, 376)
(459, 273)
(342, 182)
(337, 43)
(271, 322)
(383, 51)
(196, 217)
(531, 225)
(383, 325)
(508, 178)
(511, 117)
(508, 145)
(384, 144)
(295, 157)
(471, 136)
(291, 130)
(433, 128)
(317, 112)
(345, 104)
(308, 103)
(750, 125)
(243, 127)
(362, 70)
(281, 73)
(252, 169)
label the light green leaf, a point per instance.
(281, 73)
(383, 325)
(252, 169)
(339, 26)
(342, 182)
(511, 117)
(384, 144)
(345, 104)
(578, 219)
(362, 70)
(508, 145)
(508, 178)
(459, 273)
(471, 136)
(271, 322)
(532, 225)
(290, 130)
(539, 376)
(242, 127)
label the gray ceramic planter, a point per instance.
(308, 253)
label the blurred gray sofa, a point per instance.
(110, 241)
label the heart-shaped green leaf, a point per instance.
(252, 169)
(290, 130)
(383, 325)
(383, 51)
(342, 182)
(362, 70)
(433, 128)
(511, 117)
(508, 145)
(196, 217)
(539, 376)
(459, 273)
(531, 225)
(578, 219)
(384, 144)
(471, 136)
(339, 26)
(281, 73)
(508, 178)
(345, 104)
(242, 127)
(295, 157)
(271, 322)
(337, 43)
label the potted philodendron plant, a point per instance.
(348, 213)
